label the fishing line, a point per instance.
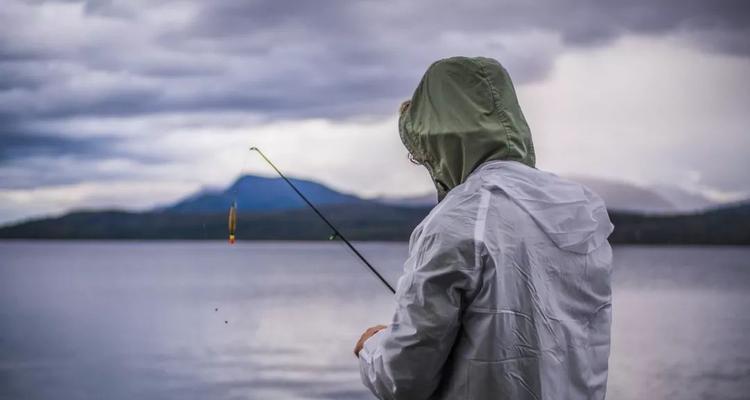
(233, 212)
(336, 232)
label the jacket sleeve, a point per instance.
(405, 360)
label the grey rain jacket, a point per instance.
(506, 291)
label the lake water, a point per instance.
(205, 320)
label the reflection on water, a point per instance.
(138, 320)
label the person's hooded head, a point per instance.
(463, 113)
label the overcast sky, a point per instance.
(133, 103)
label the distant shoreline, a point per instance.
(370, 222)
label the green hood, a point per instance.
(463, 113)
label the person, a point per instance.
(506, 291)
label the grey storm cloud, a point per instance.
(62, 60)
(579, 21)
(283, 59)
(32, 159)
(19, 140)
(14, 145)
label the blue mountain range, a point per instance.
(256, 193)
(272, 211)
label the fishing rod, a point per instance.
(336, 232)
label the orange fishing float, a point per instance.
(232, 221)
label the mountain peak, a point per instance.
(254, 193)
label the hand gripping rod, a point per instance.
(336, 232)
